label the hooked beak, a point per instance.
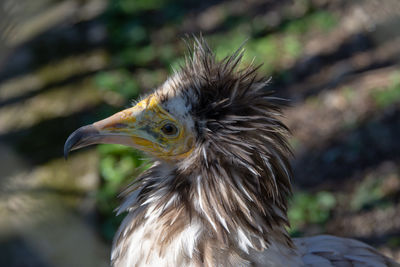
(140, 127)
(111, 130)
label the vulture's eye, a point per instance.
(169, 129)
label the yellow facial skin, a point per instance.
(144, 123)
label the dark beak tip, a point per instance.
(79, 138)
(66, 151)
(70, 143)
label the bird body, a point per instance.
(217, 192)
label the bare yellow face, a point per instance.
(147, 126)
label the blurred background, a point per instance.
(68, 63)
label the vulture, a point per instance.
(217, 193)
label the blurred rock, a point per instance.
(43, 213)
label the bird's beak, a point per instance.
(97, 133)
(139, 127)
(124, 127)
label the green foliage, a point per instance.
(118, 81)
(224, 44)
(271, 49)
(119, 165)
(368, 193)
(267, 50)
(324, 20)
(394, 242)
(386, 97)
(138, 56)
(319, 20)
(309, 208)
(292, 46)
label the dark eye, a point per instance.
(169, 129)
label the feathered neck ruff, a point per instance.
(236, 182)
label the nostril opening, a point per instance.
(120, 125)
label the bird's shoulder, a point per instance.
(326, 251)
